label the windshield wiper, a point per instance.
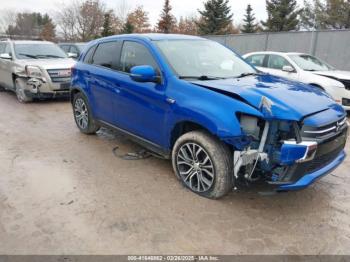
(29, 55)
(50, 56)
(202, 78)
(248, 74)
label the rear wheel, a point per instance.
(203, 164)
(22, 97)
(82, 115)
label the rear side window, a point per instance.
(65, 48)
(89, 54)
(256, 60)
(2, 48)
(135, 54)
(107, 55)
(277, 62)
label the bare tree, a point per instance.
(81, 20)
(7, 18)
(122, 10)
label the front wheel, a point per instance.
(203, 164)
(82, 115)
(22, 97)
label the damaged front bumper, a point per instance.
(37, 88)
(310, 178)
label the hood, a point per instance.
(61, 63)
(290, 100)
(337, 74)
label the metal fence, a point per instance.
(331, 46)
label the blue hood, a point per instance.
(290, 100)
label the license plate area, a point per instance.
(64, 86)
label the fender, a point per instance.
(195, 104)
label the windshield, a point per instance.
(203, 59)
(38, 51)
(310, 63)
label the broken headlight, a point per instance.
(34, 72)
(251, 125)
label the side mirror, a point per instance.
(5, 56)
(72, 55)
(288, 69)
(144, 73)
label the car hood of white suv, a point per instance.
(60, 63)
(338, 74)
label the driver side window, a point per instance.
(135, 54)
(277, 62)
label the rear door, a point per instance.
(103, 81)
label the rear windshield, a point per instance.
(38, 51)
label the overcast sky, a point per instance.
(153, 7)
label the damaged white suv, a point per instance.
(34, 69)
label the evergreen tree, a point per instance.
(167, 21)
(283, 15)
(128, 27)
(328, 14)
(215, 18)
(107, 25)
(249, 25)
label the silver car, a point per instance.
(34, 69)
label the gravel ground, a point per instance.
(65, 192)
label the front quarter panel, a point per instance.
(214, 111)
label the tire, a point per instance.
(19, 89)
(82, 115)
(215, 172)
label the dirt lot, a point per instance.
(65, 192)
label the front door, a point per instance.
(141, 107)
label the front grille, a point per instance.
(346, 102)
(59, 75)
(322, 131)
(325, 154)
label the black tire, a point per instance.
(20, 93)
(220, 157)
(82, 115)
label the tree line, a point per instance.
(89, 19)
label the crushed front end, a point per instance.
(289, 155)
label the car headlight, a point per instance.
(34, 72)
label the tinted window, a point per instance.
(65, 48)
(135, 54)
(2, 48)
(256, 60)
(89, 54)
(8, 49)
(107, 55)
(277, 62)
(74, 50)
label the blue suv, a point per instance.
(220, 120)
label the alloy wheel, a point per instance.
(81, 113)
(195, 167)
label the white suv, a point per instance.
(307, 69)
(34, 69)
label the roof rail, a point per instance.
(20, 37)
